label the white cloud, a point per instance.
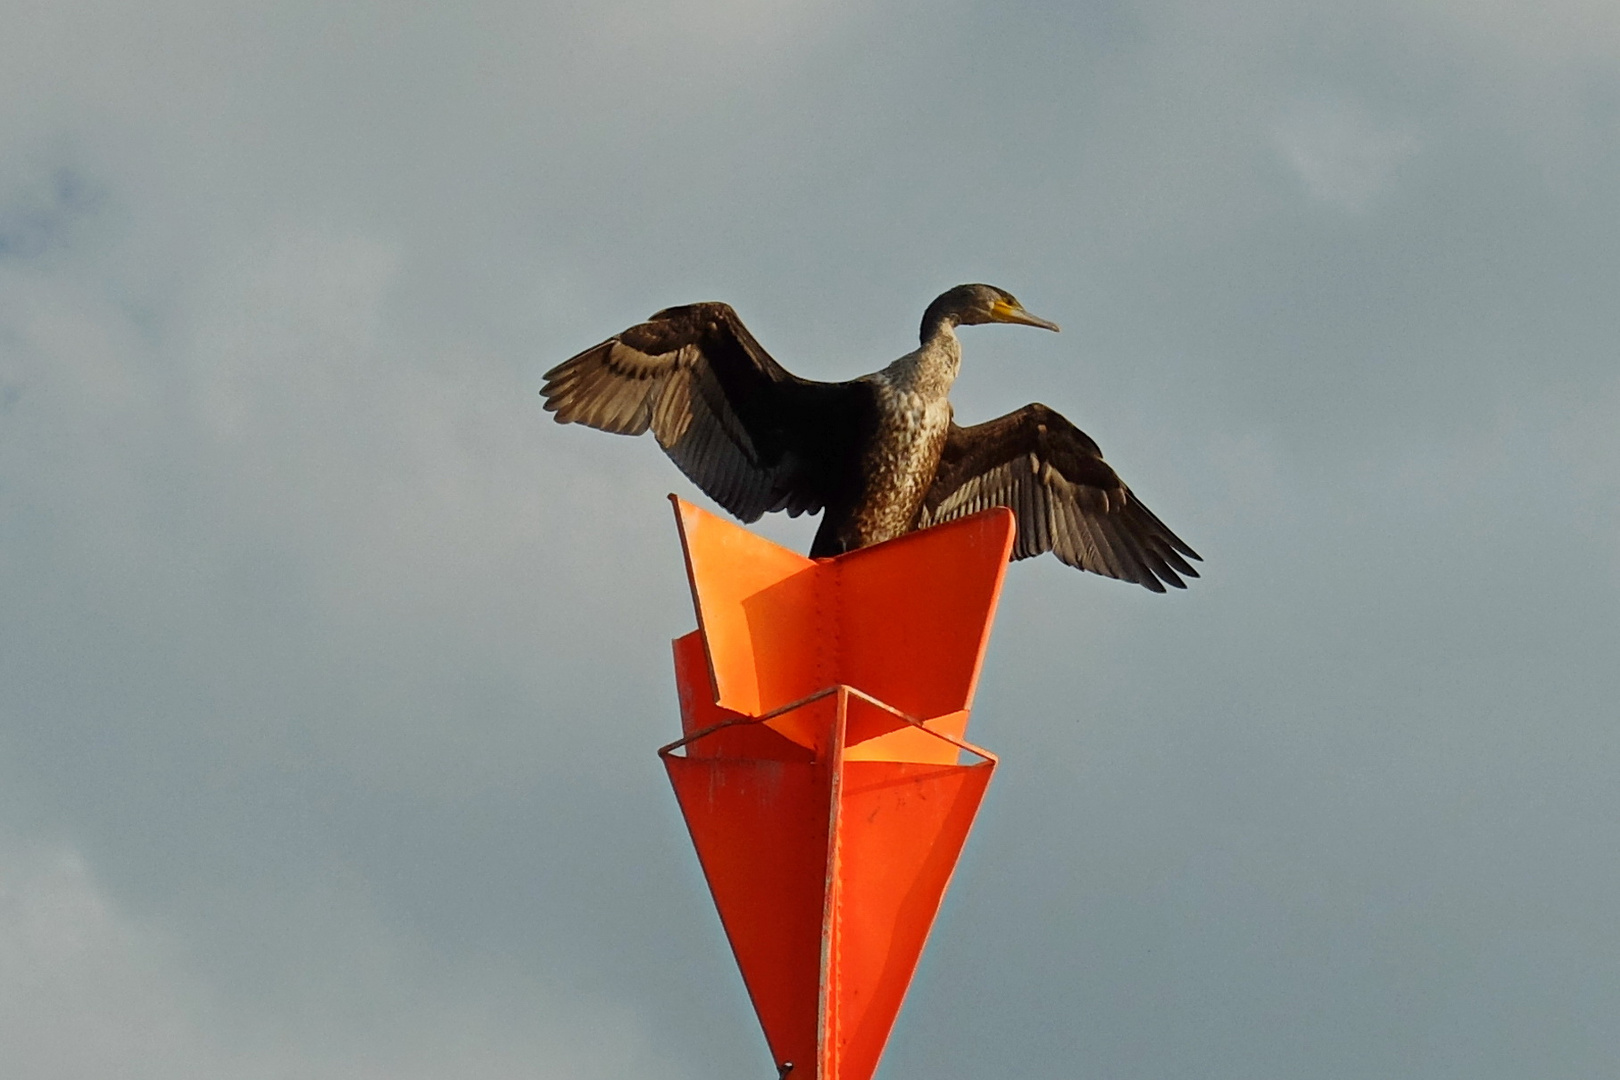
(281, 443)
(82, 992)
(1343, 156)
(89, 992)
(297, 573)
(1552, 33)
(1586, 438)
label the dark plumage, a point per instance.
(880, 454)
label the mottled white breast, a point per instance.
(900, 464)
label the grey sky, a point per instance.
(331, 671)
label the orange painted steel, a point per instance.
(824, 706)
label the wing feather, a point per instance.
(730, 417)
(1065, 497)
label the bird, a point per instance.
(880, 455)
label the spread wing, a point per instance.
(1065, 497)
(730, 417)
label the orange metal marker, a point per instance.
(824, 706)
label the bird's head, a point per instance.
(970, 305)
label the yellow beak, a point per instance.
(1001, 311)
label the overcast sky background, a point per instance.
(332, 671)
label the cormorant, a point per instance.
(880, 454)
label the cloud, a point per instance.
(1549, 35)
(1586, 441)
(333, 668)
(83, 992)
(1343, 157)
(88, 991)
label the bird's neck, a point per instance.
(934, 366)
